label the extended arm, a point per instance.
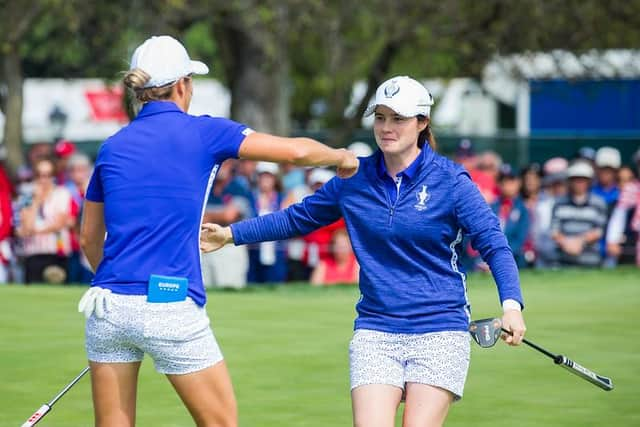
(313, 212)
(483, 228)
(298, 151)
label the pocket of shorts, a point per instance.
(183, 322)
(366, 337)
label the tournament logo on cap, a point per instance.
(392, 89)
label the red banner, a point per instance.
(107, 104)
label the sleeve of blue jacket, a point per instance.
(482, 227)
(315, 211)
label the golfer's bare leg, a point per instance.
(208, 394)
(425, 405)
(114, 387)
(375, 405)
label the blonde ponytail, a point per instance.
(136, 79)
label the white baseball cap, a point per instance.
(404, 95)
(166, 60)
(580, 169)
(608, 157)
(320, 176)
(267, 167)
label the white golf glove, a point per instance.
(94, 300)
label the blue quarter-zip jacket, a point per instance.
(410, 277)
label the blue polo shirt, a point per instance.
(154, 177)
(404, 177)
(411, 280)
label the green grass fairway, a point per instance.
(286, 348)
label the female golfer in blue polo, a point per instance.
(407, 210)
(147, 194)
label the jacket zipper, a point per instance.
(392, 208)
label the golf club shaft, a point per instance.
(533, 345)
(573, 367)
(44, 409)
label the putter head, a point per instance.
(485, 331)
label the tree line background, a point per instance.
(290, 62)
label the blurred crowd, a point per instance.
(583, 211)
(40, 216)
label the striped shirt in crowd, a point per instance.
(573, 219)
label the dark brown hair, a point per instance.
(427, 135)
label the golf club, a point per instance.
(487, 331)
(44, 409)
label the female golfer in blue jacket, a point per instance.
(407, 210)
(147, 194)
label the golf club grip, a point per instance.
(37, 416)
(579, 370)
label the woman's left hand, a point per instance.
(214, 236)
(513, 321)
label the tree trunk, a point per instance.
(259, 85)
(341, 136)
(256, 65)
(13, 109)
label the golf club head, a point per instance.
(486, 331)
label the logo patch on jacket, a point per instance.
(422, 196)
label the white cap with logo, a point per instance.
(166, 60)
(404, 95)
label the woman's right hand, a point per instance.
(349, 164)
(214, 236)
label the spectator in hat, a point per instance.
(554, 186)
(607, 163)
(512, 212)
(63, 151)
(623, 230)
(579, 219)
(268, 260)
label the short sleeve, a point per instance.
(223, 136)
(94, 190)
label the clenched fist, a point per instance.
(349, 164)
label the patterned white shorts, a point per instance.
(440, 359)
(176, 335)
